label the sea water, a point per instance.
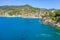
(15, 28)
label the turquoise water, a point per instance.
(26, 29)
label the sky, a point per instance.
(35, 3)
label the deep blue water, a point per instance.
(26, 29)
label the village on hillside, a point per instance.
(51, 16)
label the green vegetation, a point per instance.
(57, 15)
(30, 11)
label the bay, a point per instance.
(26, 29)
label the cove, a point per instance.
(26, 29)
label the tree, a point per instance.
(57, 11)
(51, 14)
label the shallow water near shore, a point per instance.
(26, 29)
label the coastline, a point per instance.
(44, 20)
(21, 16)
(51, 22)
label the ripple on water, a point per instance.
(46, 35)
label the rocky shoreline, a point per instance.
(52, 22)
